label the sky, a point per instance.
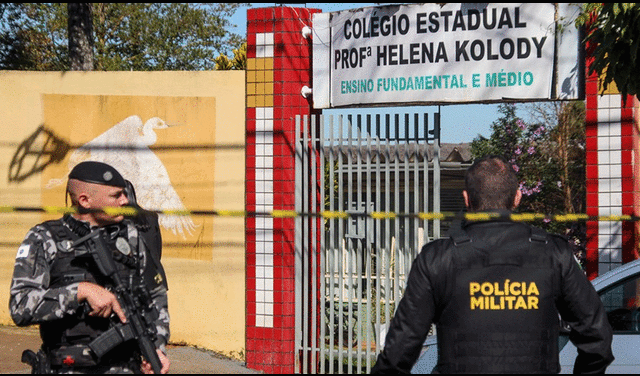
(459, 123)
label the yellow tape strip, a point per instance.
(518, 217)
(614, 218)
(522, 217)
(119, 211)
(570, 217)
(383, 215)
(176, 212)
(481, 216)
(284, 214)
(59, 210)
(432, 216)
(232, 213)
(335, 214)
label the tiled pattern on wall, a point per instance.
(278, 66)
(260, 72)
(264, 225)
(611, 144)
(260, 97)
(609, 181)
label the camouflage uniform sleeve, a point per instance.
(157, 290)
(159, 296)
(31, 300)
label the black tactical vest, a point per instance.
(500, 314)
(67, 268)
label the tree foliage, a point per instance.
(239, 61)
(613, 34)
(127, 36)
(548, 156)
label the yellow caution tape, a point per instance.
(59, 210)
(518, 217)
(614, 218)
(527, 217)
(431, 216)
(232, 213)
(481, 216)
(335, 214)
(570, 217)
(120, 211)
(284, 214)
(175, 212)
(383, 215)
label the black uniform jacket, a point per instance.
(432, 272)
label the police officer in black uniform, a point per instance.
(495, 289)
(54, 286)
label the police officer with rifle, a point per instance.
(94, 283)
(495, 290)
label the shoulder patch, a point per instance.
(23, 251)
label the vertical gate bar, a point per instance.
(407, 221)
(322, 247)
(368, 252)
(396, 221)
(305, 256)
(340, 240)
(436, 174)
(387, 238)
(333, 243)
(313, 259)
(425, 180)
(378, 226)
(358, 250)
(363, 243)
(298, 243)
(350, 244)
(416, 190)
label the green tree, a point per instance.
(613, 34)
(140, 36)
(548, 156)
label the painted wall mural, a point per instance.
(147, 139)
(126, 145)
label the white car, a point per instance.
(619, 290)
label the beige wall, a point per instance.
(203, 255)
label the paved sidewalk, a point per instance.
(184, 359)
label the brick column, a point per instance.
(278, 66)
(612, 179)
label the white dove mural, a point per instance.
(125, 146)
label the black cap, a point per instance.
(97, 173)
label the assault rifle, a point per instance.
(135, 303)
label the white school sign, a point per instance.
(455, 53)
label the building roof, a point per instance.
(460, 152)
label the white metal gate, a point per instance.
(360, 182)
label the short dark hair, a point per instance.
(491, 183)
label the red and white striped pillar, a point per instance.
(278, 66)
(612, 176)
